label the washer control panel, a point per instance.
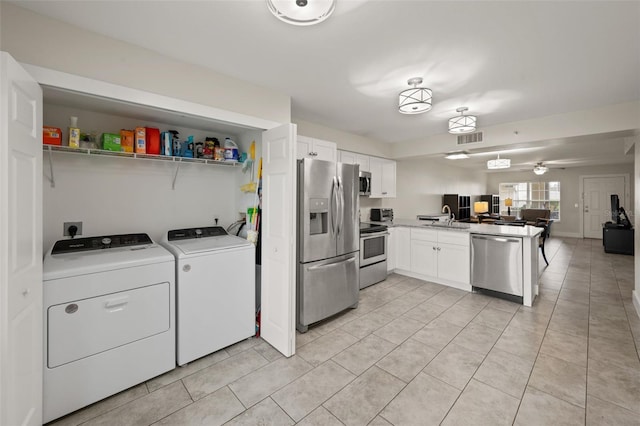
(191, 233)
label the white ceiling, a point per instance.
(506, 61)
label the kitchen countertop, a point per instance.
(472, 228)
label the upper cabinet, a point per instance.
(349, 157)
(383, 177)
(317, 149)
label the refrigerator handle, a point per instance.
(341, 205)
(334, 205)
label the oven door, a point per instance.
(373, 248)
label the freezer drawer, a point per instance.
(496, 263)
(326, 288)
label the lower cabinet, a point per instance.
(442, 256)
(391, 250)
(402, 246)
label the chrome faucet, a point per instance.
(446, 209)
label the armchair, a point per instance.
(533, 216)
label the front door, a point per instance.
(278, 305)
(21, 326)
(597, 201)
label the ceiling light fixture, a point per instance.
(499, 163)
(415, 100)
(457, 155)
(302, 12)
(462, 123)
(540, 169)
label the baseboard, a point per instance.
(636, 301)
(565, 234)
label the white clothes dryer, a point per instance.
(215, 290)
(109, 318)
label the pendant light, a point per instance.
(415, 100)
(540, 169)
(499, 163)
(462, 123)
(302, 12)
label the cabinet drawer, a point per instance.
(454, 237)
(424, 234)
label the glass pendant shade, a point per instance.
(415, 100)
(539, 169)
(302, 12)
(499, 163)
(462, 123)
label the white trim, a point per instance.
(581, 178)
(566, 234)
(76, 83)
(448, 283)
(636, 301)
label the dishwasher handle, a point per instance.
(495, 238)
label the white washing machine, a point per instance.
(215, 290)
(109, 318)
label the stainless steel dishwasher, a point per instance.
(496, 263)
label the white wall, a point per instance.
(420, 184)
(344, 140)
(570, 196)
(35, 39)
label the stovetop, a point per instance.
(369, 228)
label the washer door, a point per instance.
(86, 327)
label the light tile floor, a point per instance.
(415, 352)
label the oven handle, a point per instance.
(373, 235)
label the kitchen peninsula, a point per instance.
(441, 252)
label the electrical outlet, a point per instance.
(67, 225)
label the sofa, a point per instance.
(533, 216)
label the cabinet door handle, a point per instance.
(433, 248)
(438, 248)
(384, 193)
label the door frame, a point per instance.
(624, 200)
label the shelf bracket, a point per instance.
(51, 178)
(175, 177)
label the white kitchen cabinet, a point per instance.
(317, 149)
(402, 247)
(440, 256)
(349, 157)
(391, 250)
(424, 257)
(454, 263)
(383, 177)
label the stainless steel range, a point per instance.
(373, 254)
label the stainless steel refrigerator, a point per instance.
(328, 240)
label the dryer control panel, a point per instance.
(98, 243)
(191, 233)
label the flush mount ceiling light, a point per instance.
(540, 169)
(499, 163)
(457, 155)
(462, 123)
(415, 100)
(302, 12)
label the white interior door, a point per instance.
(279, 238)
(597, 201)
(20, 245)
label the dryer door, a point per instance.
(86, 327)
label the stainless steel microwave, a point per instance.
(365, 183)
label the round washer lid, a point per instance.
(209, 244)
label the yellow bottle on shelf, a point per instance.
(74, 133)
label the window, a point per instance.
(531, 195)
